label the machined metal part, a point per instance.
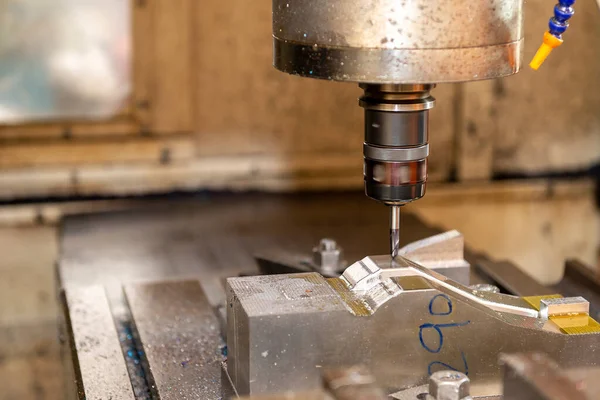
(443, 253)
(283, 330)
(97, 366)
(564, 306)
(396, 141)
(536, 376)
(384, 41)
(372, 271)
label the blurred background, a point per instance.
(108, 104)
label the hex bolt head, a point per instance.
(327, 255)
(327, 245)
(449, 385)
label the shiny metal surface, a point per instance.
(396, 154)
(98, 365)
(384, 41)
(394, 230)
(282, 330)
(402, 267)
(442, 253)
(179, 334)
(384, 128)
(564, 306)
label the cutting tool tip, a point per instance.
(394, 231)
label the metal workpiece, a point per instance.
(178, 333)
(396, 141)
(564, 306)
(443, 253)
(537, 376)
(449, 385)
(402, 267)
(383, 41)
(284, 330)
(97, 367)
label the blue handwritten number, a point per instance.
(438, 328)
(448, 303)
(448, 366)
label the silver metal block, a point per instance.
(284, 330)
(362, 275)
(564, 306)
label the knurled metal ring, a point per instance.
(395, 154)
(415, 105)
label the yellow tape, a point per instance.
(575, 324)
(534, 301)
(579, 324)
